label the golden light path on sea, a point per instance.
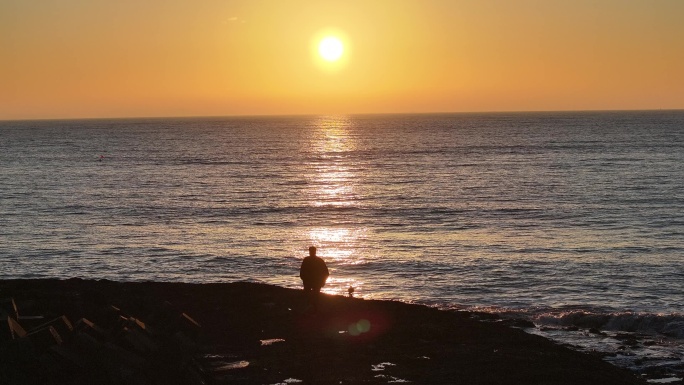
(335, 185)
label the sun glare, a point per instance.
(330, 48)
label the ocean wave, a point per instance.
(671, 325)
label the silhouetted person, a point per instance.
(313, 273)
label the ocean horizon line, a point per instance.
(356, 114)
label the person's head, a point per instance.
(312, 251)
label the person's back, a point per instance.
(313, 273)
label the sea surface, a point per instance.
(567, 218)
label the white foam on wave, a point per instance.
(649, 344)
(670, 325)
(664, 380)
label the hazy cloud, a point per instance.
(234, 19)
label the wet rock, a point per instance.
(482, 316)
(159, 333)
(519, 323)
(8, 308)
(628, 339)
(61, 324)
(84, 353)
(16, 330)
(44, 338)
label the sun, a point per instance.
(330, 48)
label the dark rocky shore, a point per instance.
(85, 332)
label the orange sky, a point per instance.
(96, 58)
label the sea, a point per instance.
(572, 220)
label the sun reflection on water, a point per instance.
(333, 183)
(333, 135)
(334, 178)
(338, 245)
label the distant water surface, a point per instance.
(548, 214)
